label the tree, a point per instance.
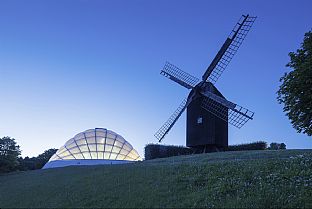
(26, 163)
(295, 92)
(274, 146)
(277, 146)
(9, 153)
(36, 162)
(43, 158)
(283, 146)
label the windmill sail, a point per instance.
(160, 134)
(226, 110)
(205, 91)
(179, 76)
(229, 49)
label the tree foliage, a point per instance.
(10, 160)
(9, 152)
(283, 146)
(295, 92)
(36, 162)
(277, 146)
(43, 158)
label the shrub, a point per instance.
(153, 151)
(259, 145)
(283, 146)
(277, 146)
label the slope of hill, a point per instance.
(225, 179)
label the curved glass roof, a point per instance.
(97, 144)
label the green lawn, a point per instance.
(225, 179)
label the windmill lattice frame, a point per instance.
(204, 91)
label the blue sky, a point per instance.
(67, 66)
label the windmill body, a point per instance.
(208, 111)
(204, 130)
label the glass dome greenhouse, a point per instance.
(92, 147)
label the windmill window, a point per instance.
(199, 120)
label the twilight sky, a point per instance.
(67, 66)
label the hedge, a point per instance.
(152, 151)
(259, 145)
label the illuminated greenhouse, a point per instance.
(94, 147)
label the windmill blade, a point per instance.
(160, 134)
(179, 76)
(226, 110)
(229, 49)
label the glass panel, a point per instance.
(108, 148)
(74, 150)
(116, 150)
(132, 154)
(100, 140)
(64, 154)
(71, 145)
(79, 136)
(84, 148)
(78, 156)
(94, 155)
(100, 147)
(120, 157)
(61, 150)
(54, 157)
(92, 147)
(91, 140)
(106, 155)
(68, 157)
(110, 141)
(87, 155)
(90, 133)
(81, 141)
(111, 134)
(100, 132)
(128, 158)
(135, 152)
(120, 139)
(100, 155)
(118, 143)
(113, 156)
(127, 146)
(69, 142)
(124, 152)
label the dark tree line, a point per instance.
(277, 146)
(35, 162)
(10, 159)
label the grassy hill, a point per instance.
(226, 179)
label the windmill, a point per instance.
(208, 111)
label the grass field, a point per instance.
(266, 179)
